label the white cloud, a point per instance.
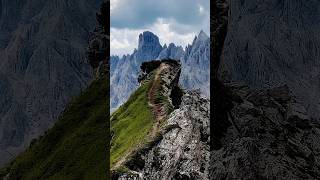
(125, 40)
(113, 4)
(142, 13)
(176, 21)
(201, 9)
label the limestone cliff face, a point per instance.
(261, 129)
(270, 43)
(43, 65)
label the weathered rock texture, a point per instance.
(43, 65)
(97, 51)
(263, 134)
(180, 149)
(183, 153)
(274, 42)
(262, 128)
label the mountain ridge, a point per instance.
(124, 70)
(179, 123)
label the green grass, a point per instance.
(131, 123)
(76, 147)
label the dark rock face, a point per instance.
(219, 25)
(268, 135)
(97, 54)
(262, 129)
(272, 42)
(43, 65)
(149, 46)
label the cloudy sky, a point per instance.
(177, 21)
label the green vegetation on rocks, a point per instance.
(130, 124)
(76, 147)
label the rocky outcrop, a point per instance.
(263, 134)
(97, 51)
(183, 152)
(166, 80)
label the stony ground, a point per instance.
(263, 134)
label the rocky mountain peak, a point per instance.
(148, 39)
(149, 47)
(202, 35)
(165, 46)
(171, 45)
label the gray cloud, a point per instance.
(143, 13)
(177, 21)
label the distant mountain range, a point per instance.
(195, 59)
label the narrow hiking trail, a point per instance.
(158, 110)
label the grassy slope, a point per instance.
(131, 123)
(76, 147)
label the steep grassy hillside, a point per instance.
(130, 124)
(76, 147)
(137, 124)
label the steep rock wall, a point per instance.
(275, 42)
